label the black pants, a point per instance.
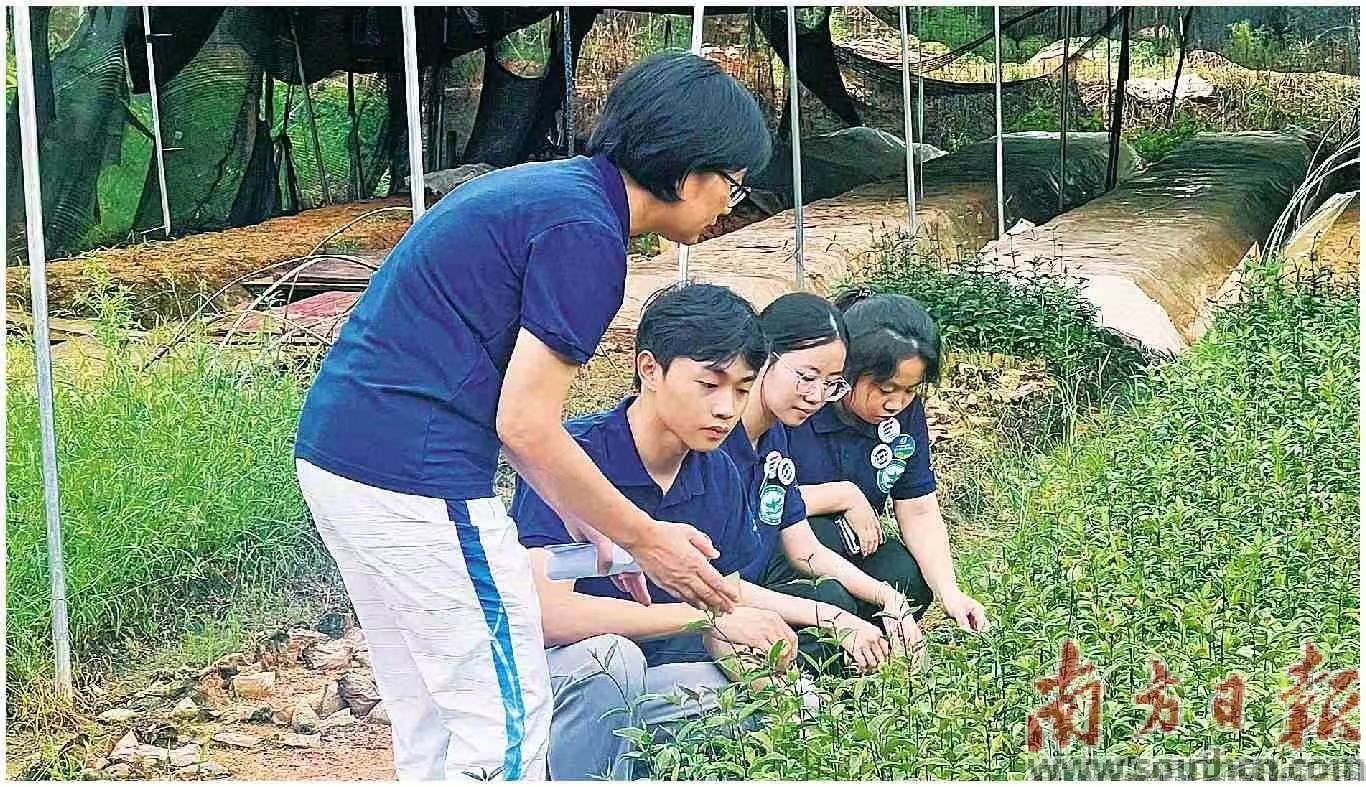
(891, 563)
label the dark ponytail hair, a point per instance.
(799, 320)
(884, 330)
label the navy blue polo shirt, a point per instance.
(406, 400)
(776, 505)
(835, 446)
(707, 494)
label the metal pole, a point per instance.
(1062, 110)
(1000, 138)
(794, 97)
(906, 117)
(920, 93)
(156, 122)
(568, 83)
(37, 277)
(694, 46)
(416, 183)
(312, 116)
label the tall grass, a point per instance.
(1212, 524)
(177, 495)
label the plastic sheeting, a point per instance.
(957, 216)
(1155, 250)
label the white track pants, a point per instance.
(443, 590)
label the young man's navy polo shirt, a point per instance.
(407, 398)
(707, 494)
(837, 446)
(775, 505)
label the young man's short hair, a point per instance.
(674, 114)
(707, 323)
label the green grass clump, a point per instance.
(177, 495)
(1031, 312)
(1213, 524)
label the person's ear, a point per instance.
(650, 370)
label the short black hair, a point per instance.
(674, 114)
(799, 320)
(705, 322)
(885, 330)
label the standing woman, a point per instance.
(466, 341)
(805, 370)
(873, 445)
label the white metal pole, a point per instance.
(906, 117)
(694, 46)
(37, 276)
(416, 182)
(794, 97)
(1062, 110)
(156, 121)
(1000, 140)
(312, 114)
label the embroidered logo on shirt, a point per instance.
(771, 502)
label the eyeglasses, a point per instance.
(828, 390)
(738, 191)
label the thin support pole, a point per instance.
(569, 99)
(312, 115)
(794, 97)
(1000, 138)
(416, 183)
(694, 46)
(907, 121)
(37, 277)
(1117, 113)
(156, 122)
(1180, 62)
(920, 94)
(1066, 14)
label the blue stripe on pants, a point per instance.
(504, 663)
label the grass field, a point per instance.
(1210, 523)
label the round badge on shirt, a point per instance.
(889, 475)
(787, 472)
(903, 447)
(881, 456)
(771, 463)
(771, 503)
(888, 429)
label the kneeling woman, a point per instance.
(872, 445)
(807, 338)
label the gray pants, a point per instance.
(600, 685)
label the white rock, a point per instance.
(331, 700)
(239, 739)
(301, 640)
(152, 754)
(259, 684)
(378, 714)
(118, 715)
(126, 748)
(329, 655)
(185, 710)
(185, 755)
(298, 741)
(212, 769)
(305, 719)
(358, 691)
(341, 718)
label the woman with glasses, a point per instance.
(872, 445)
(807, 338)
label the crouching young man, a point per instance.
(611, 642)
